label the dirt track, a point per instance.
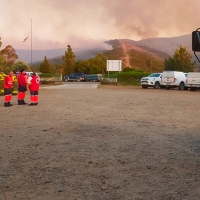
(97, 144)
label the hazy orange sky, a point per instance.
(57, 23)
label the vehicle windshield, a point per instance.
(186, 74)
(154, 75)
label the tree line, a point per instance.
(91, 66)
(180, 61)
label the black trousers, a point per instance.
(22, 88)
(34, 93)
(7, 91)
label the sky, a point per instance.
(51, 24)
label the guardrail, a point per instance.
(109, 81)
(51, 79)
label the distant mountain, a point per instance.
(38, 55)
(167, 45)
(159, 48)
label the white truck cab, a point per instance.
(174, 79)
(153, 80)
(193, 80)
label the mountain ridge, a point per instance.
(150, 45)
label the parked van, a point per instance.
(174, 79)
(29, 74)
(193, 80)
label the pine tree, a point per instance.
(45, 66)
(69, 61)
(181, 61)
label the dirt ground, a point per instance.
(117, 143)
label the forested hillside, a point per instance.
(139, 57)
(145, 62)
(135, 56)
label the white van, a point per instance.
(29, 74)
(193, 80)
(174, 79)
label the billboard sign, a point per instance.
(114, 65)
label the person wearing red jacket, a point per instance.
(8, 85)
(34, 87)
(22, 87)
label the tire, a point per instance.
(156, 85)
(181, 86)
(144, 87)
(66, 79)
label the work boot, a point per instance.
(20, 102)
(36, 103)
(31, 104)
(23, 102)
(9, 104)
(6, 105)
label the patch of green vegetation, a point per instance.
(131, 78)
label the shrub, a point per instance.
(49, 75)
(131, 78)
(128, 69)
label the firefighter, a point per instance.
(8, 84)
(14, 78)
(2, 77)
(34, 87)
(22, 87)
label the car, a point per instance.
(93, 77)
(153, 80)
(174, 79)
(75, 77)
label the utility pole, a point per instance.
(31, 41)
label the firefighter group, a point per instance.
(22, 86)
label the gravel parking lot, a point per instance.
(118, 143)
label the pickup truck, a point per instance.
(153, 80)
(193, 81)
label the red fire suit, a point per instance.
(34, 87)
(8, 84)
(22, 88)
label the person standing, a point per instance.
(34, 87)
(8, 84)
(22, 87)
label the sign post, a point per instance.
(114, 65)
(61, 75)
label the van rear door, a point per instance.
(168, 77)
